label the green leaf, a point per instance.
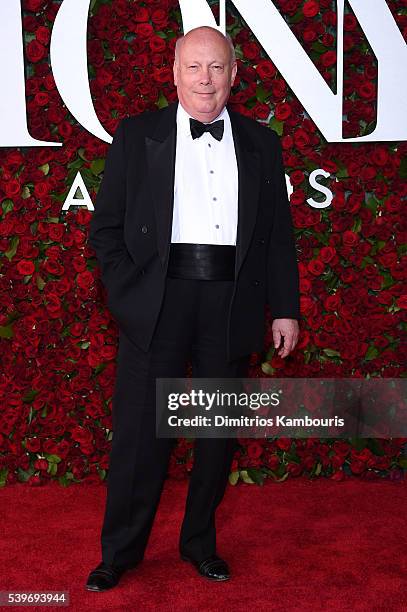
(40, 283)
(7, 206)
(372, 205)
(53, 458)
(52, 468)
(358, 443)
(3, 476)
(23, 475)
(13, 248)
(318, 469)
(371, 353)
(6, 331)
(375, 446)
(66, 479)
(256, 475)
(267, 369)
(234, 477)
(276, 125)
(284, 477)
(331, 352)
(403, 168)
(261, 93)
(25, 192)
(44, 168)
(245, 477)
(162, 101)
(402, 461)
(342, 173)
(30, 395)
(357, 225)
(318, 47)
(97, 166)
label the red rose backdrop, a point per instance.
(58, 340)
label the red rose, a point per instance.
(328, 59)
(41, 464)
(254, 450)
(144, 30)
(85, 279)
(33, 445)
(81, 435)
(301, 138)
(310, 35)
(35, 51)
(251, 50)
(33, 5)
(265, 69)
(157, 44)
(159, 17)
(282, 111)
(316, 267)
(297, 177)
(349, 238)
(284, 443)
(338, 476)
(140, 14)
(25, 267)
(327, 253)
(310, 8)
(366, 90)
(294, 469)
(12, 188)
(43, 35)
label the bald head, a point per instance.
(204, 71)
(202, 33)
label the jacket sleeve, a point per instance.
(283, 292)
(118, 269)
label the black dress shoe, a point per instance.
(104, 577)
(212, 567)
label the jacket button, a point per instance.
(261, 241)
(142, 271)
(256, 283)
(144, 229)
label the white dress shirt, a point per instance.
(205, 185)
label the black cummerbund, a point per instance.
(202, 261)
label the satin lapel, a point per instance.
(248, 164)
(161, 147)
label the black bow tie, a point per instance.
(198, 128)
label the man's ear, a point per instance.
(175, 71)
(234, 71)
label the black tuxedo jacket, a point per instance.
(130, 229)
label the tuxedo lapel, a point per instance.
(248, 164)
(161, 148)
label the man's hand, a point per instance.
(287, 329)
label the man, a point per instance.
(193, 232)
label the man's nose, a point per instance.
(205, 76)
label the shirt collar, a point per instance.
(183, 117)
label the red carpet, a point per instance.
(299, 545)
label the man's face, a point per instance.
(204, 74)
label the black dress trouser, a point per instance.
(191, 327)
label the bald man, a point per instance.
(193, 233)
